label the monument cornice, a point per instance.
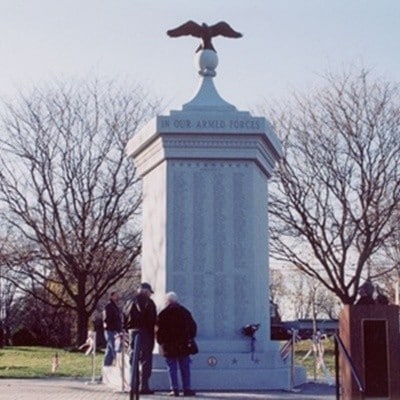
(210, 146)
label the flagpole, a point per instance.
(292, 358)
(94, 358)
(292, 361)
(91, 344)
(123, 350)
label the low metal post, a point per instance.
(94, 357)
(122, 344)
(337, 366)
(135, 342)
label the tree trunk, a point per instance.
(83, 322)
(83, 316)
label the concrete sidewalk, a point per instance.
(69, 389)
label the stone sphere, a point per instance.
(207, 60)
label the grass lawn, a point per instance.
(36, 362)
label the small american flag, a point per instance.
(286, 349)
(90, 343)
(55, 363)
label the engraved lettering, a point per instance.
(244, 124)
(182, 123)
(211, 124)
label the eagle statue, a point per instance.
(204, 32)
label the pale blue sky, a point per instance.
(286, 45)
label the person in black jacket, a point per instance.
(175, 328)
(112, 327)
(140, 318)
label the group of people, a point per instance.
(173, 328)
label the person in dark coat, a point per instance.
(112, 327)
(140, 318)
(175, 327)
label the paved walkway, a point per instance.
(69, 389)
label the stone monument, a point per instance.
(205, 172)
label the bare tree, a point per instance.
(277, 286)
(69, 196)
(390, 279)
(338, 182)
(302, 297)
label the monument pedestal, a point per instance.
(371, 336)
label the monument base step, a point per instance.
(236, 379)
(215, 376)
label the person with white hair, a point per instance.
(176, 330)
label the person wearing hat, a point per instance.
(140, 318)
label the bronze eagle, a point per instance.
(205, 32)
